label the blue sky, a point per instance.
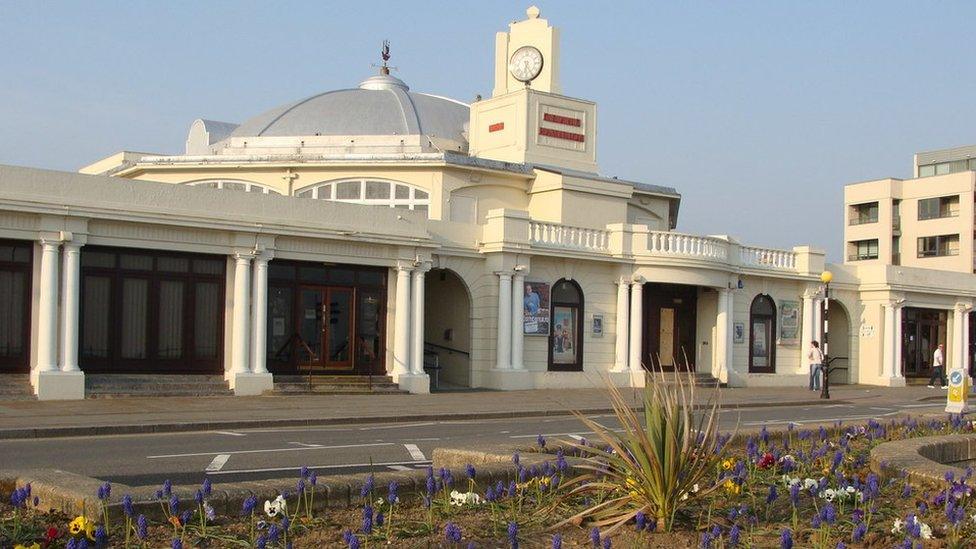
(757, 112)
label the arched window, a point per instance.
(233, 185)
(373, 192)
(762, 335)
(566, 334)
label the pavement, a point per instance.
(113, 416)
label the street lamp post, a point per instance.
(825, 277)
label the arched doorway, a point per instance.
(447, 330)
(839, 344)
(762, 335)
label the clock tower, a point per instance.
(526, 120)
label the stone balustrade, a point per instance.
(678, 244)
(767, 258)
(554, 235)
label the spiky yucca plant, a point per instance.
(661, 459)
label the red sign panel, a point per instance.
(564, 120)
(496, 127)
(559, 134)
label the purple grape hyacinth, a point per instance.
(452, 532)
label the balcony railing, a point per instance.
(554, 235)
(677, 244)
(767, 258)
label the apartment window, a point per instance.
(864, 213)
(863, 249)
(942, 168)
(935, 208)
(938, 246)
(896, 250)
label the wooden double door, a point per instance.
(669, 326)
(327, 326)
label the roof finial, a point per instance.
(385, 54)
(533, 12)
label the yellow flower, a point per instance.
(634, 494)
(77, 526)
(34, 545)
(727, 464)
(731, 487)
(544, 481)
(631, 482)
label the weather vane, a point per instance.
(385, 54)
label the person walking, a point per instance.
(815, 359)
(938, 368)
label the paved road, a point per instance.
(253, 454)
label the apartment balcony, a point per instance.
(511, 230)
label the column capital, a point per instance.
(504, 274)
(623, 281)
(243, 256)
(637, 279)
(422, 267)
(404, 266)
(72, 246)
(962, 307)
(264, 255)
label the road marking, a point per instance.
(218, 462)
(880, 409)
(317, 467)
(577, 438)
(305, 445)
(933, 405)
(415, 452)
(399, 467)
(230, 433)
(397, 426)
(432, 438)
(270, 450)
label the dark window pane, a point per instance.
(22, 254)
(316, 274)
(136, 262)
(278, 271)
(170, 319)
(340, 316)
(280, 327)
(368, 330)
(97, 259)
(13, 296)
(96, 300)
(565, 292)
(173, 264)
(207, 319)
(208, 266)
(6, 253)
(342, 276)
(135, 313)
(371, 278)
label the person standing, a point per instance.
(938, 368)
(815, 358)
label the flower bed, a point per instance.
(795, 488)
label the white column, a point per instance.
(47, 319)
(417, 325)
(729, 346)
(259, 315)
(518, 316)
(636, 325)
(70, 289)
(888, 353)
(807, 330)
(240, 321)
(818, 319)
(958, 338)
(401, 328)
(504, 341)
(623, 325)
(966, 342)
(722, 335)
(898, 342)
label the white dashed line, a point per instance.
(399, 467)
(415, 452)
(230, 433)
(305, 445)
(270, 450)
(218, 462)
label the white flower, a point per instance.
(694, 489)
(789, 481)
(466, 498)
(809, 483)
(829, 494)
(897, 526)
(925, 529)
(275, 507)
(973, 517)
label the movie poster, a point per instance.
(789, 322)
(535, 308)
(563, 335)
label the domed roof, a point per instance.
(381, 105)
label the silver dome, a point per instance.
(382, 105)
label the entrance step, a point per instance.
(129, 385)
(334, 385)
(699, 379)
(16, 387)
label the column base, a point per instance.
(249, 384)
(893, 381)
(627, 378)
(509, 380)
(58, 385)
(415, 384)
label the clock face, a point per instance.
(525, 64)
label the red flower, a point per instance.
(766, 461)
(51, 534)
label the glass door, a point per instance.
(311, 328)
(338, 332)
